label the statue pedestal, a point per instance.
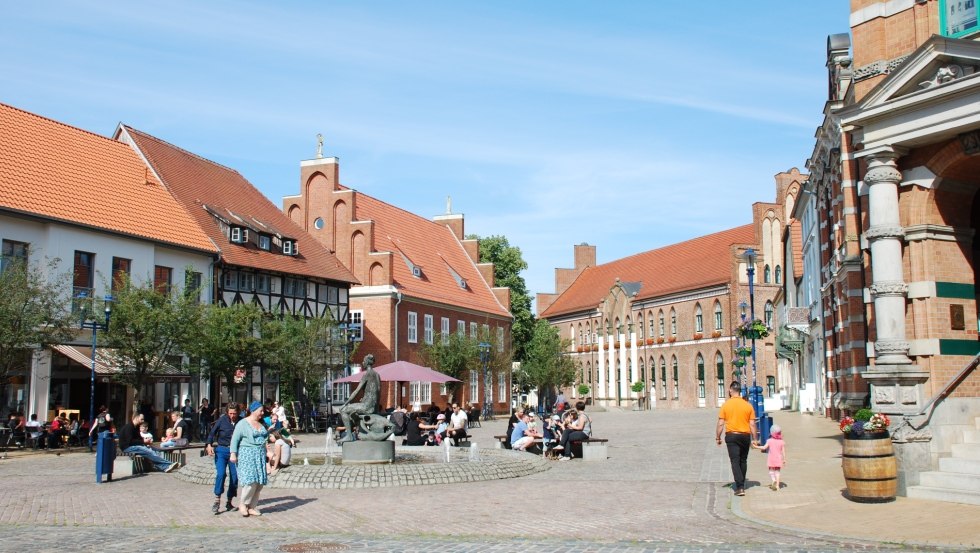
(366, 452)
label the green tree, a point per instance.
(456, 357)
(547, 367)
(302, 352)
(508, 263)
(34, 313)
(228, 339)
(148, 328)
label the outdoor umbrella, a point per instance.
(403, 371)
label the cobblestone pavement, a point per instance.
(664, 488)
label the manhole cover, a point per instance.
(313, 547)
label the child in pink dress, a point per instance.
(777, 455)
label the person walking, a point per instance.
(248, 451)
(776, 449)
(219, 446)
(736, 419)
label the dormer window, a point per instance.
(416, 271)
(290, 247)
(265, 242)
(239, 235)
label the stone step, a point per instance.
(963, 466)
(951, 480)
(971, 437)
(966, 451)
(944, 494)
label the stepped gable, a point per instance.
(55, 171)
(435, 250)
(697, 263)
(206, 189)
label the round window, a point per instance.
(318, 223)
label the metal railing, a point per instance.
(947, 389)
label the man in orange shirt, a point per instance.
(737, 420)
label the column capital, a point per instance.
(884, 231)
(882, 153)
(890, 288)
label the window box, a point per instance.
(660, 339)
(672, 339)
(595, 347)
(580, 349)
(698, 335)
(650, 341)
(716, 334)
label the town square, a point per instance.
(632, 276)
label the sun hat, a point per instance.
(441, 417)
(775, 429)
(255, 406)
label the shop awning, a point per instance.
(109, 363)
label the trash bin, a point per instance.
(105, 455)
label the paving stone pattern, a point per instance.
(663, 488)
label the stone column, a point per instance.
(895, 381)
(885, 235)
(600, 391)
(624, 391)
(612, 367)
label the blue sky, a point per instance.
(628, 125)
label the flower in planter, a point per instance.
(743, 351)
(660, 340)
(864, 421)
(753, 329)
(716, 334)
(738, 362)
(698, 335)
(672, 339)
(649, 341)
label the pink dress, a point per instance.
(775, 448)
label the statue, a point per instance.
(359, 413)
(319, 146)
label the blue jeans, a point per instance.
(159, 463)
(222, 464)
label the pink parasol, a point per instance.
(403, 371)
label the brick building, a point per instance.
(895, 172)
(420, 280)
(665, 317)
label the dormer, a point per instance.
(290, 247)
(239, 235)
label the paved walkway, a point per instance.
(664, 488)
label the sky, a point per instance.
(628, 125)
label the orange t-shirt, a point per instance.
(737, 413)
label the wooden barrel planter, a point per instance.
(870, 468)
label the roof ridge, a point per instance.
(60, 123)
(674, 245)
(403, 210)
(182, 150)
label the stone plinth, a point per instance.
(366, 452)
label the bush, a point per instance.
(863, 415)
(583, 390)
(637, 386)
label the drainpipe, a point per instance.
(395, 340)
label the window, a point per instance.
(779, 274)
(663, 378)
(771, 385)
(661, 323)
(262, 283)
(639, 334)
(265, 242)
(246, 281)
(294, 287)
(445, 330)
(720, 367)
(413, 327)
(500, 339)
(473, 330)
(501, 387)
(673, 322)
(427, 327)
(290, 247)
(120, 272)
(700, 362)
(474, 387)
(653, 377)
(83, 276)
(769, 314)
(717, 316)
(339, 392)
(229, 280)
(673, 365)
(420, 392)
(163, 279)
(698, 319)
(192, 286)
(13, 252)
(766, 275)
(461, 328)
(239, 235)
(355, 322)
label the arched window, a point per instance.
(643, 374)
(700, 362)
(718, 316)
(677, 387)
(720, 367)
(779, 274)
(663, 378)
(588, 366)
(673, 322)
(639, 330)
(629, 371)
(653, 377)
(698, 319)
(661, 324)
(766, 275)
(581, 336)
(769, 314)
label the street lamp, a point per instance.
(87, 320)
(755, 392)
(487, 390)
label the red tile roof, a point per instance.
(435, 249)
(52, 170)
(691, 265)
(197, 182)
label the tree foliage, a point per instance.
(508, 262)
(546, 366)
(227, 339)
(148, 328)
(34, 313)
(302, 352)
(459, 355)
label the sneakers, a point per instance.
(559, 448)
(216, 508)
(563, 458)
(171, 468)
(740, 492)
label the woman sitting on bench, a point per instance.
(577, 428)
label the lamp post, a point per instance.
(487, 385)
(87, 320)
(755, 392)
